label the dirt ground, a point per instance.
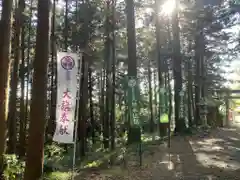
(210, 156)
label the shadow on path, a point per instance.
(213, 156)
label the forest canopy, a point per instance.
(178, 53)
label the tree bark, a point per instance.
(35, 153)
(197, 79)
(189, 89)
(22, 131)
(134, 131)
(5, 32)
(51, 122)
(159, 68)
(113, 99)
(91, 108)
(150, 97)
(177, 71)
(84, 107)
(12, 119)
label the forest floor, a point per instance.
(206, 156)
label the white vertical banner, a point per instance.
(67, 72)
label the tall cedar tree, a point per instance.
(5, 28)
(34, 161)
(177, 70)
(134, 131)
(15, 77)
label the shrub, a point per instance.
(14, 167)
(53, 154)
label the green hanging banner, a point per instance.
(163, 103)
(133, 101)
(181, 107)
(164, 118)
(133, 94)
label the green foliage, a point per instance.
(53, 155)
(14, 167)
(86, 23)
(53, 150)
(58, 176)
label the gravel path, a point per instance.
(213, 156)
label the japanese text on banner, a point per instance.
(66, 96)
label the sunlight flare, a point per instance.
(168, 7)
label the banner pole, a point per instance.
(77, 116)
(140, 147)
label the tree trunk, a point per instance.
(91, 108)
(108, 78)
(134, 131)
(113, 104)
(197, 80)
(22, 131)
(170, 99)
(177, 71)
(28, 70)
(150, 97)
(102, 101)
(160, 69)
(189, 89)
(5, 32)
(35, 153)
(51, 122)
(155, 96)
(66, 28)
(12, 118)
(84, 107)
